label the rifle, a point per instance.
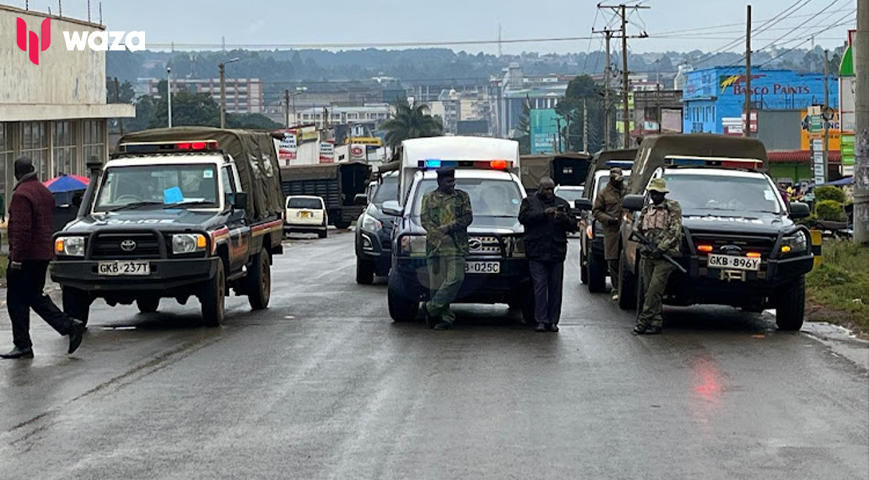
(636, 235)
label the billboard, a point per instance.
(544, 130)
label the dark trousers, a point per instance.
(548, 281)
(25, 292)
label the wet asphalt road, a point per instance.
(324, 385)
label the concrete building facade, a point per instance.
(243, 95)
(55, 111)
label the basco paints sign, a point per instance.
(33, 43)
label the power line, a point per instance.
(800, 25)
(842, 23)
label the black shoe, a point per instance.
(75, 336)
(553, 328)
(443, 326)
(18, 353)
(541, 327)
(430, 321)
(646, 330)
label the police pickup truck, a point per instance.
(740, 244)
(496, 269)
(175, 213)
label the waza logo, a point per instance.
(31, 42)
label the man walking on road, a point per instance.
(608, 211)
(445, 215)
(30, 249)
(660, 222)
(547, 220)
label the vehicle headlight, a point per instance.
(70, 246)
(796, 243)
(188, 243)
(412, 245)
(370, 223)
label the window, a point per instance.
(155, 186)
(34, 144)
(94, 143)
(64, 149)
(227, 181)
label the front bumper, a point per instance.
(711, 286)
(505, 287)
(167, 276)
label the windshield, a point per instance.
(159, 185)
(489, 197)
(388, 190)
(570, 194)
(715, 193)
(307, 203)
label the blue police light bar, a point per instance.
(735, 163)
(620, 163)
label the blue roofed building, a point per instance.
(714, 98)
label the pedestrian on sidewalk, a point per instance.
(30, 249)
(445, 215)
(608, 211)
(547, 220)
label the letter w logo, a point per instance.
(37, 43)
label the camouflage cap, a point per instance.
(617, 174)
(658, 185)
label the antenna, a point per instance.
(499, 40)
(89, 10)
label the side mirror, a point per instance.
(237, 200)
(392, 207)
(360, 199)
(633, 203)
(799, 210)
(582, 204)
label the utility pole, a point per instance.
(861, 129)
(824, 116)
(585, 126)
(746, 127)
(622, 11)
(287, 106)
(558, 148)
(606, 93)
(222, 68)
(169, 93)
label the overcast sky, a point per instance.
(293, 22)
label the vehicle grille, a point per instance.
(484, 245)
(111, 246)
(745, 243)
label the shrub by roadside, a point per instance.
(837, 291)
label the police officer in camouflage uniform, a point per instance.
(660, 222)
(608, 211)
(445, 215)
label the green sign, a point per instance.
(848, 149)
(544, 130)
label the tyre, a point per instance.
(364, 272)
(583, 269)
(76, 304)
(259, 282)
(323, 234)
(148, 305)
(790, 305)
(627, 286)
(213, 298)
(597, 270)
(341, 224)
(401, 309)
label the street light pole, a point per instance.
(861, 130)
(222, 68)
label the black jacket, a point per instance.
(546, 236)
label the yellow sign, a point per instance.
(373, 141)
(835, 134)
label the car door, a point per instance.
(239, 231)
